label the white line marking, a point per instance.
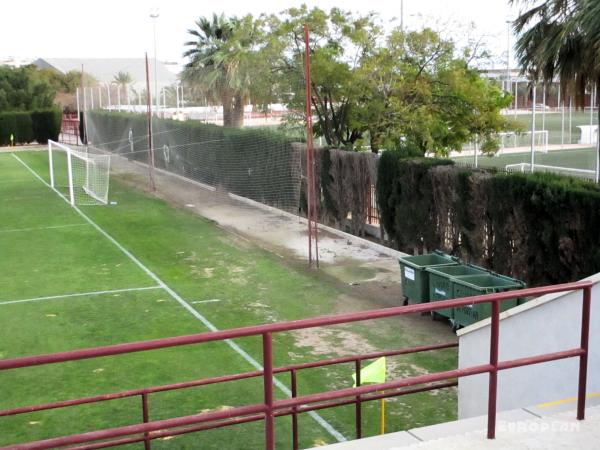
(16, 230)
(80, 294)
(253, 362)
(214, 300)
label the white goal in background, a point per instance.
(508, 140)
(526, 167)
(80, 176)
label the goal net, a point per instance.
(246, 165)
(81, 176)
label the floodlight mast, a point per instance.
(154, 14)
(533, 127)
(508, 77)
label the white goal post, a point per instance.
(80, 176)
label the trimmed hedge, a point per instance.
(29, 126)
(542, 228)
(46, 125)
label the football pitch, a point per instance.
(142, 269)
(576, 158)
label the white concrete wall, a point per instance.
(547, 324)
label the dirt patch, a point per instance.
(332, 341)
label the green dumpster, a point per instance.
(441, 283)
(469, 285)
(415, 280)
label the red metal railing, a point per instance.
(271, 408)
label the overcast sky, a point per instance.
(110, 28)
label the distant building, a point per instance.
(104, 70)
(13, 61)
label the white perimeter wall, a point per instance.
(547, 324)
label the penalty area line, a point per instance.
(78, 294)
(208, 324)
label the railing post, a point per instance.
(294, 410)
(268, 391)
(583, 359)
(493, 381)
(146, 419)
(358, 402)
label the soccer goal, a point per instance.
(512, 140)
(571, 171)
(80, 176)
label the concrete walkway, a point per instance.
(537, 427)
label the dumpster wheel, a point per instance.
(404, 300)
(437, 317)
(455, 325)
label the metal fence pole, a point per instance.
(493, 381)
(358, 403)
(146, 418)
(583, 359)
(268, 390)
(294, 410)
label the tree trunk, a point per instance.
(237, 113)
(375, 139)
(227, 101)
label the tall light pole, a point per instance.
(402, 15)
(508, 80)
(154, 16)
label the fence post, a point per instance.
(358, 402)
(294, 411)
(583, 359)
(268, 390)
(493, 381)
(146, 418)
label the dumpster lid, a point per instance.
(488, 280)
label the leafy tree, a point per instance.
(24, 89)
(561, 38)
(403, 89)
(337, 41)
(223, 62)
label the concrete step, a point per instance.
(551, 425)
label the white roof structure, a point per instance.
(105, 69)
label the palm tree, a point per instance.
(562, 38)
(220, 62)
(122, 80)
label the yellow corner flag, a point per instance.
(374, 373)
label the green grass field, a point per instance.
(577, 158)
(572, 158)
(553, 122)
(64, 285)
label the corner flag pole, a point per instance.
(373, 373)
(382, 418)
